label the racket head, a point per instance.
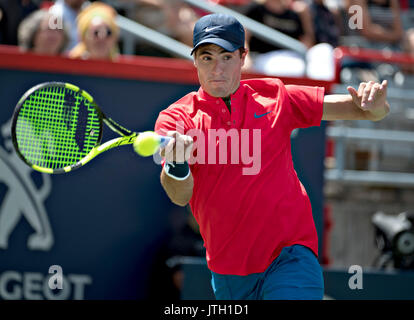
(55, 125)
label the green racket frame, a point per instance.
(29, 100)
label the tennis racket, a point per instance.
(57, 127)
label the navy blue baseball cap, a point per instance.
(220, 29)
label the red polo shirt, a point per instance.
(250, 203)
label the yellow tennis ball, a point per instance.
(147, 143)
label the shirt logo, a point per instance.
(208, 29)
(257, 116)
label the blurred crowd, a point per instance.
(88, 29)
(74, 28)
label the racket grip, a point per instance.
(164, 141)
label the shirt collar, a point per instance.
(205, 96)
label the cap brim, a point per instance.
(226, 45)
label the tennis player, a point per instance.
(258, 229)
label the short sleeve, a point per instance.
(173, 118)
(306, 105)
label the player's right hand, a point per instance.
(177, 149)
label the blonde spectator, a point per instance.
(98, 33)
(37, 34)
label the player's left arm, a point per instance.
(368, 103)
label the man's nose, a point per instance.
(218, 67)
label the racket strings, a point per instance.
(56, 127)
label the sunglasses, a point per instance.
(102, 33)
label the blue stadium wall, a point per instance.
(105, 223)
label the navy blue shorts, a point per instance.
(294, 275)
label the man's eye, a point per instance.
(206, 58)
(227, 57)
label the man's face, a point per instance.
(46, 40)
(219, 71)
(100, 40)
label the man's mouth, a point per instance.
(218, 81)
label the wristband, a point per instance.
(177, 171)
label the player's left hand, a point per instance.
(371, 97)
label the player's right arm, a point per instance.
(178, 150)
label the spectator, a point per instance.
(279, 15)
(326, 23)
(68, 11)
(12, 12)
(267, 58)
(173, 18)
(36, 35)
(237, 5)
(302, 8)
(181, 19)
(381, 23)
(294, 19)
(98, 33)
(381, 28)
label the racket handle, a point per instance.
(164, 141)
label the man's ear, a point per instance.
(194, 59)
(244, 55)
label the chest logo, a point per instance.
(260, 115)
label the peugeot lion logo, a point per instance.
(20, 197)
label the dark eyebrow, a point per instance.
(206, 51)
